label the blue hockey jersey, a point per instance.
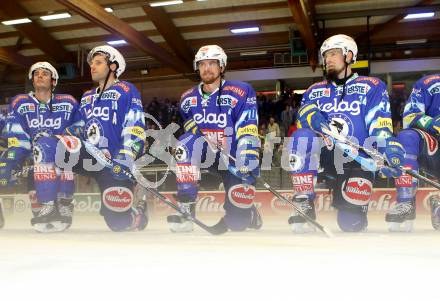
(115, 122)
(364, 110)
(423, 104)
(231, 117)
(29, 118)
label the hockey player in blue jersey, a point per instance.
(419, 137)
(225, 113)
(356, 107)
(113, 124)
(32, 116)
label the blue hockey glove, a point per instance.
(6, 167)
(74, 130)
(246, 166)
(394, 154)
(122, 165)
(310, 116)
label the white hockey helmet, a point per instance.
(340, 41)
(47, 66)
(113, 55)
(210, 52)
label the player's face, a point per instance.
(334, 63)
(209, 71)
(42, 79)
(99, 68)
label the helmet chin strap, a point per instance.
(105, 82)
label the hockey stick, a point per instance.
(266, 185)
(378, 158)
(101, 158)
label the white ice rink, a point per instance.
(91, 263)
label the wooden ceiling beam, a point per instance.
(168, 30)
(304, 24)
(11, 57)
(92, 11)
(382, 26)
(35, 32)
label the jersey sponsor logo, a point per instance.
(353, 107)
(187, 173)
(44, 172)
(250, 129)
(234, 89)
(373, 80)
(226, 100)
(211, 118)
(13, 142)
(117, 199)
(434, 89)
(242, 196)
(136, 131)
(384, 123)
(111, 95)
(404, 180)
(124, 87)
(303, 182)
(360, 88)
(41, 122)
(26, 108)
(100, 112)
(430, 79)
(136, 101)
(318, 93)
(217, 137)
(188, 103)
(62, 107)
(357, 191)
(251, 100)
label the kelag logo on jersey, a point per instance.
(434, 89)
(189, 102)
(358, 89)
(40, 122)
(318, 93)
(211, 118)
(353, 107)
(26, 108)
(100, 112)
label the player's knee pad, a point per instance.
(116, 208)
(352, 220)
(238, 212)
(351, 198)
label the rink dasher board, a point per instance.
(211, 202)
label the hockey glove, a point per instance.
(311, 117)
(74, 130)
(246, 166)
(6, 167)
(433, 127)
(122, 165)
(394, 154)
